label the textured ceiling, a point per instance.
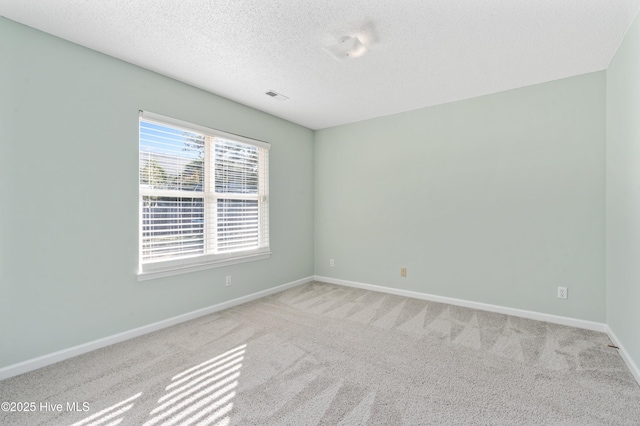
(421, 52)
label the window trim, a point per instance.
(185, 125)
(164, 268)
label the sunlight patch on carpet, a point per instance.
(203, 393)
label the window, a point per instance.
(203, 197)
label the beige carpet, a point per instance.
(326, 354)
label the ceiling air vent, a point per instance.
(276, 95)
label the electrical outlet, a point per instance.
(403, 272)
(562, 292)
(228, 280)
(332, 263)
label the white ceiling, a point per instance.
(421, 52)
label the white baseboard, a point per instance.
(625, 355)
(555, 319)
(43, 361)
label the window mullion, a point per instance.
(211, 209)
(263, 197)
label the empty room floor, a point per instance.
(326, 354)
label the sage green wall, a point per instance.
(623, 193)
(69, 206)
(497, 199)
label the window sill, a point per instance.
(151, 271)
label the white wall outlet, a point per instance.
(562, 292)
(332, 263)
(228, 281)
(403, 272)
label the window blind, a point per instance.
(202, 193)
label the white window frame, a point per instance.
(210, 259)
